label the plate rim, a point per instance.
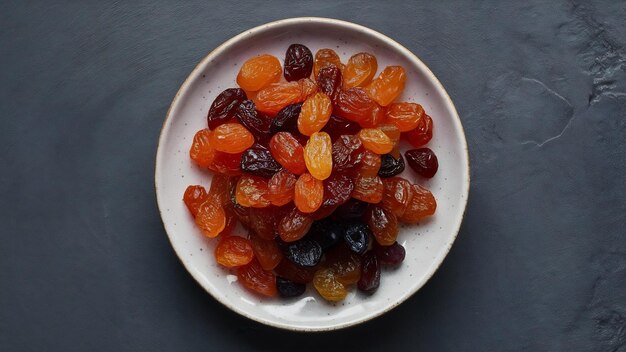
(350, 26)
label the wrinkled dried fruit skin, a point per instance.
(277, 96)
(337, 189)
(357, 236)
(352, 209)
(253, 277)
(266, 252)
(326, 57)
(370, 273)
(308, 193)
(423, 161)
(391, 255)
(323, 212)
(375, 140)
(194, 197)
(384, 225)
(305, 252)
(293, 272)
(281, 187)
(211, 218)
(288, 152)
(390, 166)
(326, 232)
(406, 116)
(286, 119)
(227, 163)
(318, 155)
(345, 264)
(370, 164)
(396, 195)
(233, 251)
(257, 160)
(287, 288)
(201, 151)
(314, 114)
(347, 152)
(329, 81)
(258, 72)
(355, 105)
(422, 134)
(391, 131)
(338, 126)
(298, 62)
(388, 85)
(368, 189)
(294, 226)
(326, 284)
(252, 191)
(360, 70)
(422, 205)
(231, 138)
(257, 124)
(261, 221)
(225, 106)
(219, 188)
(231, 221)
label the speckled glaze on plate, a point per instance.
(426, 244)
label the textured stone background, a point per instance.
(540, 263)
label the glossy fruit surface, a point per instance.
(277, 96)
(406, 116)
(355, 105)
(388, 85)
(231, 138)
(258, 124)
(211, 218)
(368, 189)
(329, 81)
(357, 236)
(308, 193)
(288, 152)
(370, 273)
(422, 134)
(253, 277)
(225, 106)
(360, 70)
(375, 140)
(345, 264)
(286, 119)
(194, 197)
(294, 226)
(314, 114)
(390, 166)
(201, 151)
(421, 205)
(252, 191)
(318, 155)
(326, 283)
(391, 255)
(266, 252)
(298, 62)
(383, 224)
(326, 57)
(397, 194)
(423, 161)
(281, 188)
(258, 72)
(347, 152)
(337, 189)
(233, 251)
(305, 252)
(258, 160)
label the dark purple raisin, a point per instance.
(357, 236)
(258, 160)
(390, 166)
(287, 288)
(389, 255)
(337, 126)
(329, 81)
(352, 209)
(286, 119)
(370, 273)
(225, 106)
(326, 232)
(305, 252)
(298, 62)
(423, 161)
(255, 122)
(337, 189)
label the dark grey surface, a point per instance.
(539, 265)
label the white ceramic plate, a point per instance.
(426, 244)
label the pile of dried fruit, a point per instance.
(309, 167)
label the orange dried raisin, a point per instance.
(326, 283)
(396, 195)
(252, 191)
(201, 151)
(211, 218)
(281, 187)
(422, 205)
(233, 251)
(318, 155)
(294, 226)
(276, 96)
(314, 114)
(326, 57)
(375, 140)
(266, 252)
(194, 197)
(370, 164)
(288, 152)
(231, 138)
(391, 131)
(308, 193)
(388, 85)
(360, 70)
(384, 225)
(355, 105)
(406, 116)
(258, 72)
(345, 264)
(422, 134)
(253, 277)
(368, 189)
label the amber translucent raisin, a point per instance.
(253, 277)
(225, 106)
(258, 72)
(369, 165)
(406, 116)
(396, 195)
(308, 193)
(384, 225)
(375, 140)
(231, 220)
(231, 138)
(288, 152)
(201, 151)
(422, 134)
(347, 152)
(261, 221)
(252, 191)
(326, 283)
(211, 218)
(276, 96)
(194, 197)
(388, 85)
(368, 189)
(318, 155)
(355, 105)
(298, 62)
(360, 70)
(219, 188)
(421, 205)
(233, 251)
(326, 57)
(344, 263)
(266, 252)
(281, 188)
(294, 226)
(227, 163)
(314, 114)
(391, 131)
